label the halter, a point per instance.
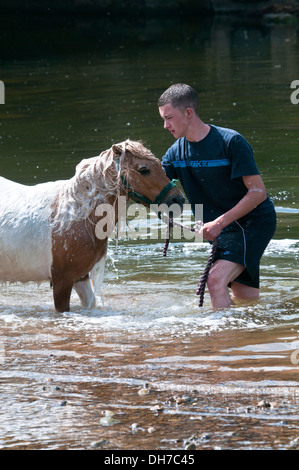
(131, 191)
(140, 198)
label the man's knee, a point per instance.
(214, 279)
(223, 273)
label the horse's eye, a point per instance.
(144, 170)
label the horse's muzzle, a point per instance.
(175, 198)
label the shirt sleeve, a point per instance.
(168, 166)
(241, 155)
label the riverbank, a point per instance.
(153, 8)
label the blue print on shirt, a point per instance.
(201, 163)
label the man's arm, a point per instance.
(168, 166)
(255, 195)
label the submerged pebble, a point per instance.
(263, 404)
(97, 444)
(190, 446)
(156, 408)
(184, 400)
(135, 427)
(108, 419)
(267, 404)
(143, 391)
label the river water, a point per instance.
(148, 368)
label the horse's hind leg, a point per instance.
(62, 293)
(85, 292)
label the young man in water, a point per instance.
(216, 168)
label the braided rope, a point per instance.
(204, 277)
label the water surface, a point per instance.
(171, 373)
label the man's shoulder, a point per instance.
(176, 148)
(232, 139)
(180, 142)
(225, 132)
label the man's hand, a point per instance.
(255, 195)
(210, 230)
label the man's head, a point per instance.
(180, 96)
(178, 107)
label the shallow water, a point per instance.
(202, 373)
(173, 374)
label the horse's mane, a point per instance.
(95, 181)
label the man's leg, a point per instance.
(222, 273)
(243, 292)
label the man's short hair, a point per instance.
(180, 96)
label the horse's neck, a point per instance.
(116, 204)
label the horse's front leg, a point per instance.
(85, 292)
(62, 288)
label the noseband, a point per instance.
(143, 199)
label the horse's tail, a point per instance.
(204, 277)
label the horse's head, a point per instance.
(143, 177)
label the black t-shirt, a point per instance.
(211, 171)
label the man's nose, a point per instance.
(166, 125)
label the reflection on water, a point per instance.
(173, 374)
(65, 103)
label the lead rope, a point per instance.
(204, 277)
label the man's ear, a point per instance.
(189, 112)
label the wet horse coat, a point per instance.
(47, 231)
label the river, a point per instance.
(148, 368)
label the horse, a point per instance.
(48, 231)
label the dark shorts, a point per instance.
(244, 242)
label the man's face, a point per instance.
(175, 121)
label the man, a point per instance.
(216, 168)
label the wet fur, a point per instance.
(47, 231)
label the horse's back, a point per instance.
(25, 232)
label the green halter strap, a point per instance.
(143, 199)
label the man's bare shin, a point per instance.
(221, 275)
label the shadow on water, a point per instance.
(167, 374)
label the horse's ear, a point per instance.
(117, 150)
